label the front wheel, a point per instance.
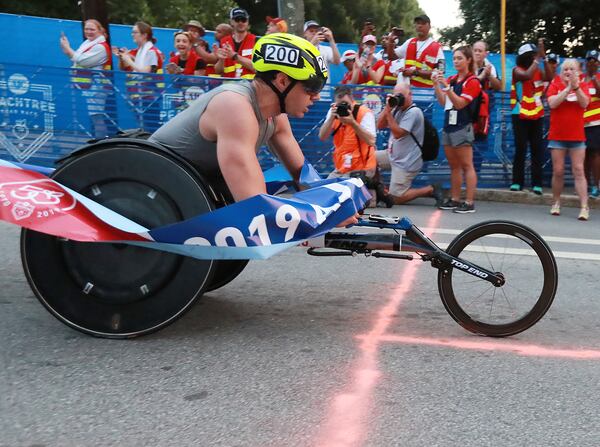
(527, 265)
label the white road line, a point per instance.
(565, 240)
(528, 252)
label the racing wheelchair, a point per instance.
(496, 278)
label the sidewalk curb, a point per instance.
(527, 197)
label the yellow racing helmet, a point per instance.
(292, 55)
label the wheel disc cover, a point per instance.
(116, 290)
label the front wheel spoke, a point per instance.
(519, 260)
(487, 254)
(480, 295)
(475, 281)
(510, 305)
(525, 297)
(504, 257)
(492, 303)
(518, 289)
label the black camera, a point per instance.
(343, 109)
(396, 100)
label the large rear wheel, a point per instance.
(118, 290)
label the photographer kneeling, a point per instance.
(353, 129)
(403, 155)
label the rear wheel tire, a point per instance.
(225, 272)
(119, 290)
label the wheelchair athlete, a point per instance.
(221, 132)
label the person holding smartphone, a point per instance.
(143, 88)
(317, 34)
(92, 56)
(146, 58)
(526, 92)
(367, 69)
(421, 54)
(457, 94)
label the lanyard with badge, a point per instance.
(452, 112)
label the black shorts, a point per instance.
(592, 138)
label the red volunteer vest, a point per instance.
(592, 113)
(531, 107)
(428, 58)
(233, 68)
(159, 57)
(190, 63)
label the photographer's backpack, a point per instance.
(431, 140)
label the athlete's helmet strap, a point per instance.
(282, 95)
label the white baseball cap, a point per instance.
(526, 48)
(369, 38)
(310, 23)
(348, 54)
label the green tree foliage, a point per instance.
(345, 17)
(163, 13)
(62, 9)
(170, 13)
(568, 28)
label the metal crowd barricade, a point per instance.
(46, 112)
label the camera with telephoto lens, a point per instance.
(343, 109)
(396, 100)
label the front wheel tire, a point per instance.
(529, 269)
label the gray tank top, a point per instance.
(182, 133)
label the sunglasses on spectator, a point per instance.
(240, 19)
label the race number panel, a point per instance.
(118, 290)
(282, 55)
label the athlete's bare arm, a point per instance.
(289, 153)
(285, 146)
(236, 140)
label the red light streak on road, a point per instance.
(345, 424)
(499, 346)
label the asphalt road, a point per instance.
(304, 351)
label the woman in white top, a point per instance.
(144, 90)
(93, 52)
(146, 58)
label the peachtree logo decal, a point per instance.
(27, 120)
(373, 102)
(44, 197)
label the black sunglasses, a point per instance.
(240, 19)
(313, 85)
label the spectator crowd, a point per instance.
(570, 89)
